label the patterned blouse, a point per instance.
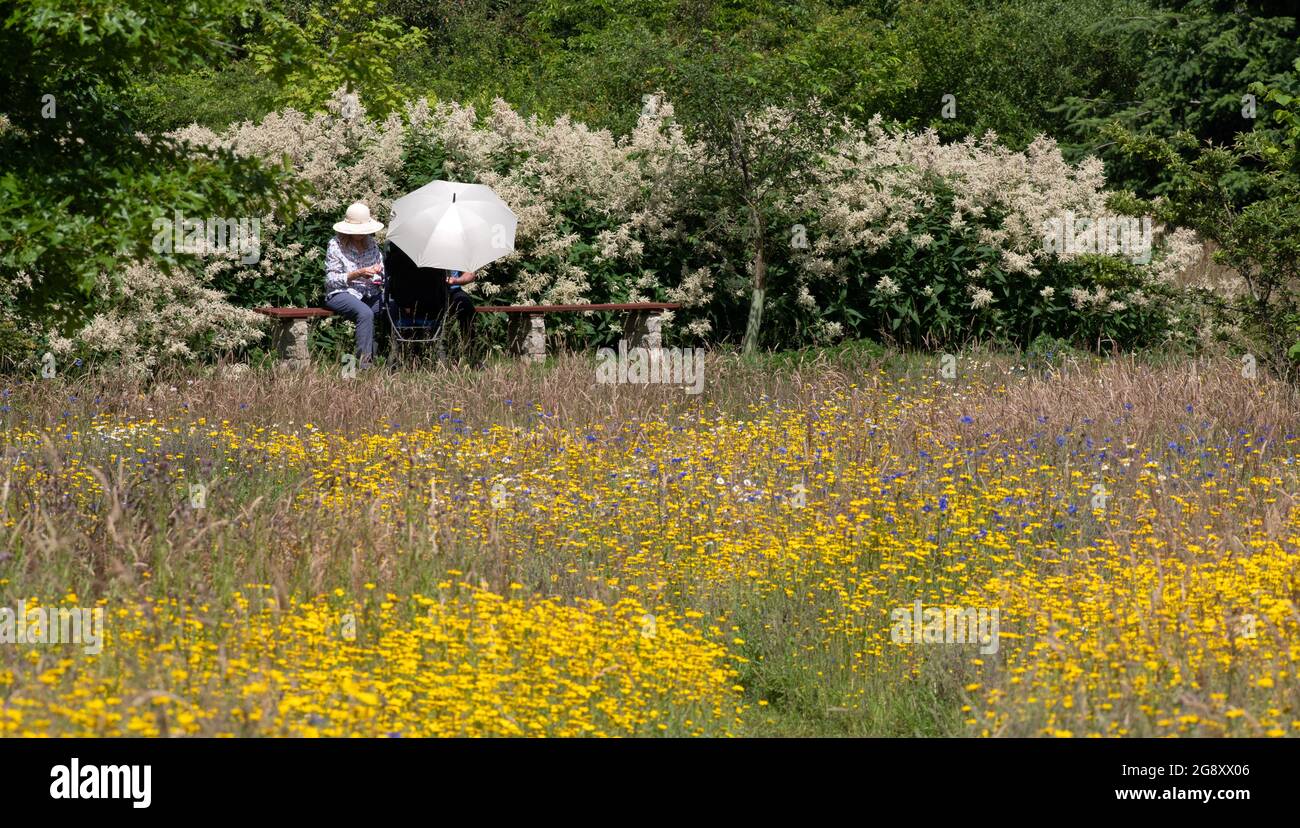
(340, 261)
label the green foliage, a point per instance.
(214, 97)
(78, 194)
(1016, 67)
(80, 189)
(346, 45)
(17, 345)
(1009, 64)
(752, 171)
(1256, 226)
(1199, 59)
(852, 63)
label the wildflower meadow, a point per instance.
(512, 552)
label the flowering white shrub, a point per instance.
(19, 335)
(148, 317)
(590, 206)
(895, 233)
(340, 155)
(953, 235)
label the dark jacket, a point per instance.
(417, 294)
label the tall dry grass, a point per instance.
(122, 530)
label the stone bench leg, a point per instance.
(642, 329)
(290, 341)
(528, 336)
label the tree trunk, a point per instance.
(750, 343)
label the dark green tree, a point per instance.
(346, 45)
(1200, 59)
(81, 186)
(761, 143)
(1244, 197)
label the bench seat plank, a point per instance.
(631, 306)
(290, 338)
(314, 313)
(295, 313)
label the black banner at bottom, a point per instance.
(185, 777)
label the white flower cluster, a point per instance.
(542, 169)
(341, 155)
(875, 186)
(871, 187)
(150, 316)
(593, 208)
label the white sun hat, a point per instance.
(358, 221)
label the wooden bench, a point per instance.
(641, 326)
(289, 339)
(642, 323)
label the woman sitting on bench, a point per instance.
(354, 275)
